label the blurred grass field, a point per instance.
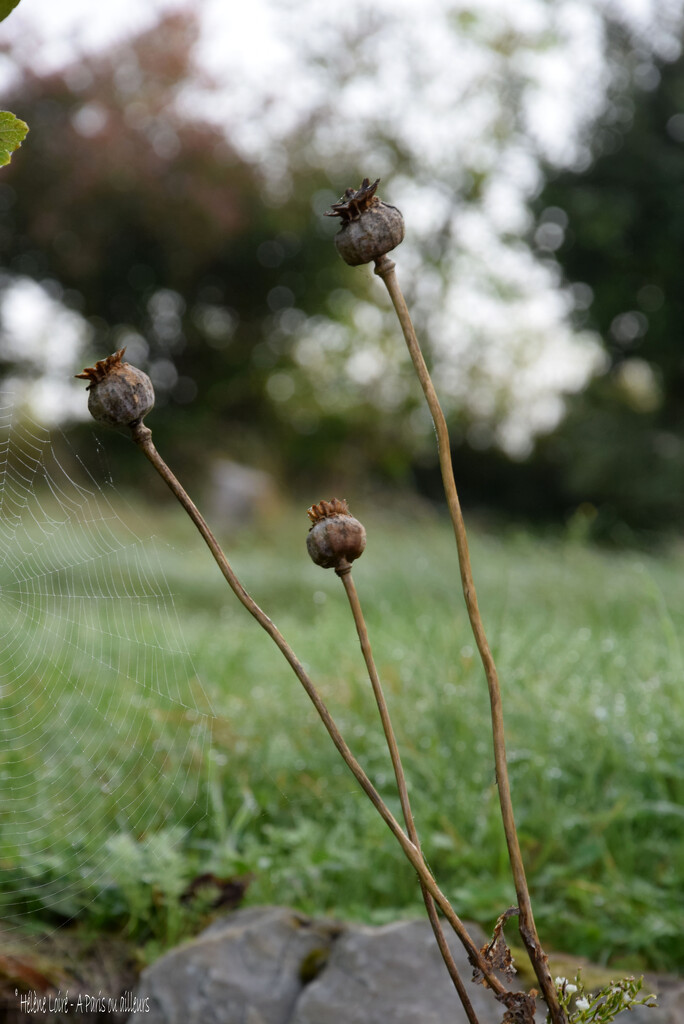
(116, 793)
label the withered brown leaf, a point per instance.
(520, 1007)
(496, 953)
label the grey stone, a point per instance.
(271, 965)
(671, 1000)
(670, 1008)
(244, 969)
(392, 974)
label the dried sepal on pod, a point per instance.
(335, 538)
(370, 228)
(118, 394)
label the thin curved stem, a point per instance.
(142, 436)
(360, 623)
(384, 268)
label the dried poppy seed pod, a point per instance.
(119, 394)
(370, 228)
(336, 538)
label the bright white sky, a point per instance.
(251, 42)
(68, 27)
(236, 27)
(496, 318)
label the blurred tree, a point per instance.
(137, 212)
(617, 231)
(143, 219)
(216, 269)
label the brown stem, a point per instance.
(355, 604)
(384, 268)
(142, 436)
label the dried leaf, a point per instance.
(520, 1007)
(224, 892)
(23, 971)
(496, 953)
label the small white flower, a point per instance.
(570, 989)
(560, 982)
(582, 1004)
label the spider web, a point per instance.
(104, 726)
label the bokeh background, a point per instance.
(170, 198)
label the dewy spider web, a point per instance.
(104, 727)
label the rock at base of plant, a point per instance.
(393, 973)
(272, 965)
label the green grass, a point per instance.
(126, 768)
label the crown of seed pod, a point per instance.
(335, 539)
(370, 228)
(118, 394)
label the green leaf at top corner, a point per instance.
(12, 134)
(6, 7)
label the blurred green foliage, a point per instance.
(621, 447)
(112, 825)
(6, 8)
